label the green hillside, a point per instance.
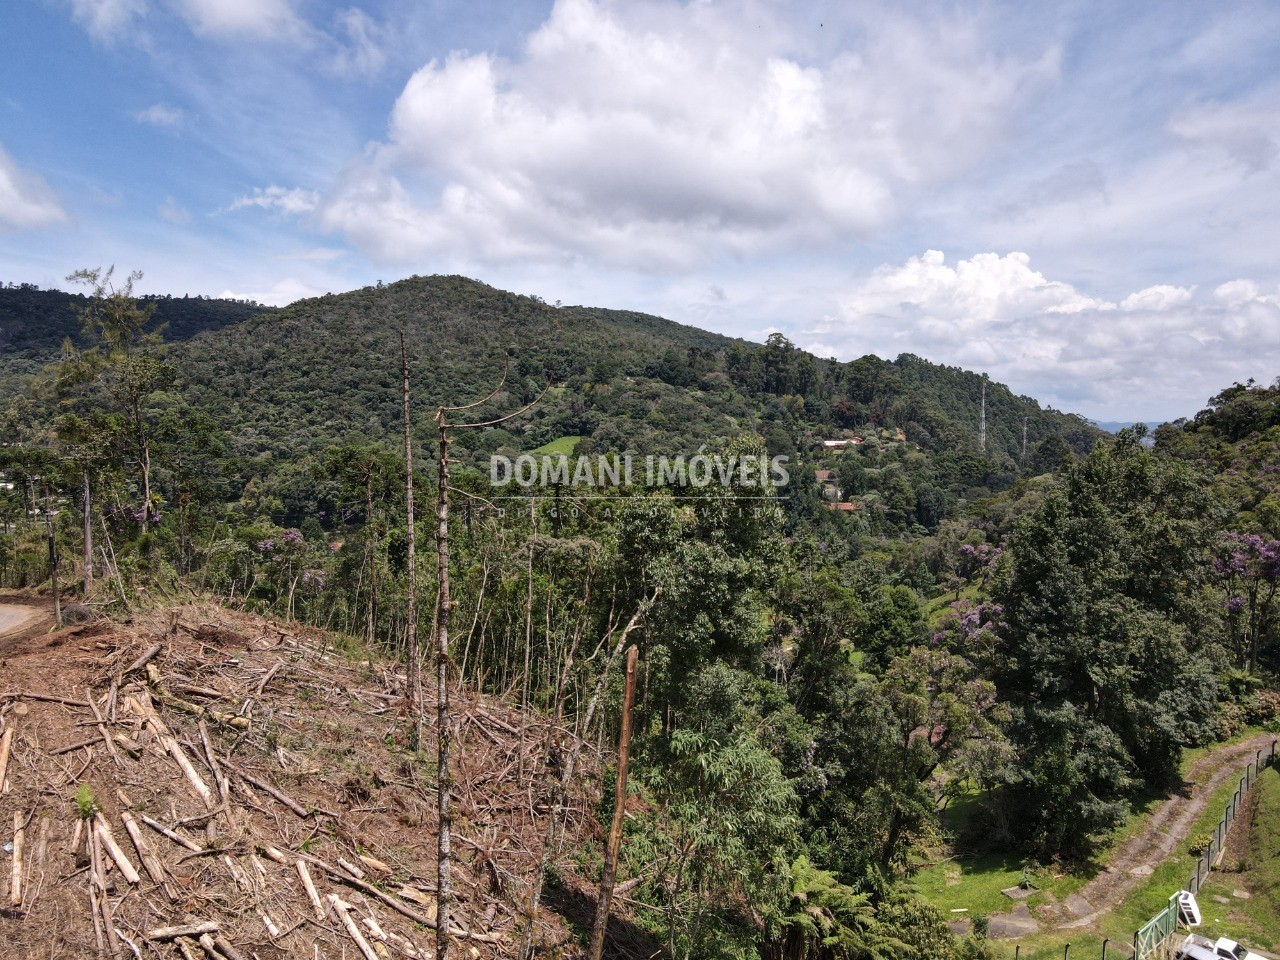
(326, 369)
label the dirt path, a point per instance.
(24, 623)
(1139, 856)
(13, 617)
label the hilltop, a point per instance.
(326, 370)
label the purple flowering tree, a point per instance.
(1248, 568)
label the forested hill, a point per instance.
(327, 370)
(34, 323)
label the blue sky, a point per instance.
(1081, 199)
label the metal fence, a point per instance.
(1217, 843)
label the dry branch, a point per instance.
(15, 886)
(187, 930)
(152, 652)
(177, 838)
(266, 788)
(5, 742)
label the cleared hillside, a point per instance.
(242, 755)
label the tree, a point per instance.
(125, 363)
(823, 919)
(1098, 609)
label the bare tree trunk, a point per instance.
(53, 557)
(411, 613)
(444, 774)
(146, 484)
(371, 616)
(565, 776)
(596, 947)
(87, 563)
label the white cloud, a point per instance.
(174, 212)
(278, 294)
(361, 42)
(107, 19)
(159, 115)
(287, 200)
(26, 201)
(260, 19)
(1160, 297)
(1161, 352)
(654, 134)
(1244, 131)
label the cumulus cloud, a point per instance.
(279, 294)
(26, 201)
(286, 200)
(259, 19)
(1160, 351)
(159, 115)
(655, 134)
(107, 19)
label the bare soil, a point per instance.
(297, 753)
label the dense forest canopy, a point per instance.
(1039, 624)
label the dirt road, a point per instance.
(13, 617)
(1138, 857)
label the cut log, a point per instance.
(188, 770)
(187, 930)
(108, 840)
(6, 742)
(309, 885)
(342, 910)
(155, 870)
(15, 885)
(177, 838)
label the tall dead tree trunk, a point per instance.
(411, 612)
(444, 775)
(371, 549)
(444, 731)
(610, 873)
(560, 786)
(87, 562)
(53, 556)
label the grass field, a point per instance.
(560, 447)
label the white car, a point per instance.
(1202, 948)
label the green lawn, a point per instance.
(560, 447)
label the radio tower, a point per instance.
(982, 428)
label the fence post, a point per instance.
(1066, 952)
(1136, 955)
(1104, 948)
(1017, 950)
